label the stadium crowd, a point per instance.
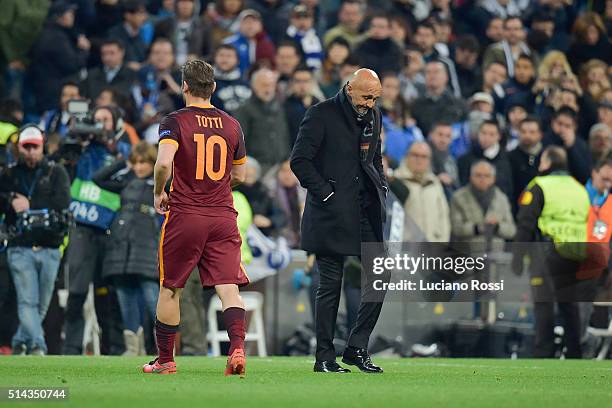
(472, 92)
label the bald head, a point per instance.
(363, 89)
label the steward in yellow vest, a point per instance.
(554, 208)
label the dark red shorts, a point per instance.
(210, 243)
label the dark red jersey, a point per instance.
(209, 143)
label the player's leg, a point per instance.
(234, 319)
(220, 267)
(179, 250)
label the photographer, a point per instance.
(131, 254)
(94, 210)
(34, 196)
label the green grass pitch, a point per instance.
(289, 382)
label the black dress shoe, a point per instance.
(329, 367)
(361, 359)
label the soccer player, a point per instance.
(203, 147)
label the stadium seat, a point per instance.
(253, 302)
(605, 334)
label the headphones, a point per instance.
(117, 114)
(14, 137)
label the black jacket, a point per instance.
(58, 59)
(524, 168)
(295, 111)
(135, 48)
(578, 156)
(50, 188)
(96, 82)
(503, 171)
(133, 242)
(380, 55)
(326, 158)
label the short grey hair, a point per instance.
(253, 163)
(484, 162)
(599, 127)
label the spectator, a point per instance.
(128, 32)
(600, 142)
(443, 164)
(59, 54)
(563, 133)
(158, 91)
(590, 41)
(287, 193)
(494, 75)
(263, 121)
(251, 41)
(412, 76)
(481, 108)
(350, 18)
(32, 186)
(488, 148)
(21, 23)
(480, 212)
(508, 50)
(58, 120)
(438, 104)
(231, 90)
(504, 8)
(302, 32)
(469, 74)
(224, 16)
(190, 35)
(553, 70)
(594, 78)
(399, 127)
(425, 39)
(518, 89)
(267, 216)
(275, 16)
(525, 159)
(515, 114)
(494, 32)
(378, 51)
(287, 59)
(604, 111)
(11, 116)
(336, 53)
(400, 31)
(130, 262)
(426, 203)
(301, 97)
(113, 73)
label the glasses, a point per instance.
(419, 156)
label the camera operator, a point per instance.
(94, 210)
(131, 254)
(34, 196)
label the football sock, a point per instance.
(234, 320)
(165, 335)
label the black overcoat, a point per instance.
(326, 158)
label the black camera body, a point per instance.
(42, 221)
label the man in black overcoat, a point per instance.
(337, 158)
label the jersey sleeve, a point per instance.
(169, 131)
(240, 152)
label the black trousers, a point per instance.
(328, 299)
(550, 287)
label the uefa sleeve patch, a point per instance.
(526, 198)
(164, 133)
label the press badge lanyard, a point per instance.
(32, 187)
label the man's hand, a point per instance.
(445, 179)
(261, 221)
(161, 202)
(20, 203)
(492, 220)
(83, 43)
(17, 65)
